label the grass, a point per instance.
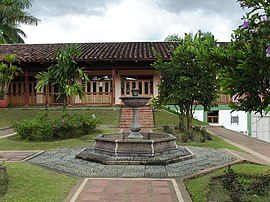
(216, 143)
(109, 117)
(164, 118)
(3, 180)
(198, 187)
(32, 183)
(9, 115)
(14, 143)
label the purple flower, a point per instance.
(245, 24)
(263, 18)
(267, 51)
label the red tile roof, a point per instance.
(118, 51)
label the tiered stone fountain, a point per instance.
(135, 147)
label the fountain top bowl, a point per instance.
(134, 101)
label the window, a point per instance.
(143, 83)
(212, 117)
(235, 119)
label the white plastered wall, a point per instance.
(225, 120)
(198, 114)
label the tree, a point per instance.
(64, 74)
(173, 37)
(189, 78)
(12, 14)
(246, 72)
(7, 73)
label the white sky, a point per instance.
(64, 21)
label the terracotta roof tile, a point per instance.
(115, 51)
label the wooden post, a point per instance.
(113, 87)
(26, 87)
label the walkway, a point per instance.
(128, 190)
(257, 150)
(6, 132)
(15, 156)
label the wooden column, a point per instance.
(113, 86)
(26, 87)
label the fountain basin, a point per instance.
(152, 149)
(133, 101)
(151, 144)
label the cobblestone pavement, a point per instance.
(64, 160)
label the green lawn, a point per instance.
(108, 116)
(198, 187)
(216, 143)
(165, 118)
(9, 115)
(14, 143)
(32, 183)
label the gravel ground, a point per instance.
(64, 160)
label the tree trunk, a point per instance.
(64, 104)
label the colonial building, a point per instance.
(114, 69)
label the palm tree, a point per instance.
(7, 73)
(12, 14)
(65, 74)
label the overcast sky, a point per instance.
(64, 21)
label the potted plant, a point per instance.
(7, 73)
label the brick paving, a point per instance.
(17, 155)
(6, 132)
(127, 190)
(14, 156)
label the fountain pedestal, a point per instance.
(135, 125)
(135, 102)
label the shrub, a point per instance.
(184, 138)
(190, 135)
(44, 128)
(231, 183)
(3, 180)
(34, 130)
(167, 129)
(205, 134)
(261, 186)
